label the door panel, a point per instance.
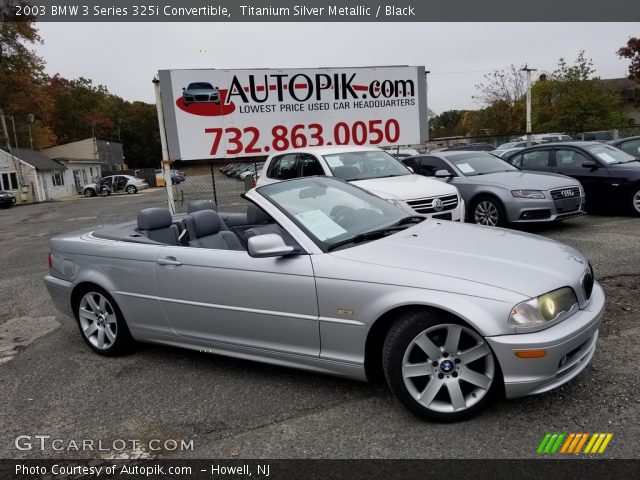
(596, 182)
(228, 296)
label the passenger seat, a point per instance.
(263, 223)
(206, 230)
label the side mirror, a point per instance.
(442, 174)
(590, 164)
(269, 245)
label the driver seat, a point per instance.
(206, 230)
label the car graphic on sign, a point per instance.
(200, 92)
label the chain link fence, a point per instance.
(221, 182)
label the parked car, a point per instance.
(549, 137)
(630, 145)
(198, 92)
(177, 177)
(7, 199)
(608, 175)
(248, 167)
(453, 314)
(372, 169)
(498, 193)
(599, 136)
(487, 147)
(510, 147)
(114, 184)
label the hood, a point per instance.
(405, 187)
(518, 262)
(629, 168)
(519, 180)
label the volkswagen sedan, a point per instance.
(341, 282)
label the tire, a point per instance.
(487, 210)
(89, 192)
(441, 386)
(101, 323)
(634, 202)
(131, 189)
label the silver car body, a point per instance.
(563, 196)
(318, 310)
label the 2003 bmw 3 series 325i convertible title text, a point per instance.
(322, 275)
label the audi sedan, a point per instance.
(453, 314)
(498, 193)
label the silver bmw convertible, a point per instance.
(324, 276)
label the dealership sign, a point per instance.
(240, 113)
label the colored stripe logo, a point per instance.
(574, 443)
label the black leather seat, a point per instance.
(206, 230)
(157, 224)
(199, 205)
(262, 222)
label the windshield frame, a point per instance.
(470, 156)
(402, 171)
(396, 214)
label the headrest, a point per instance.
(346, 173)
(199, 205)
(154, 218)
(205, 222)
(256, 215)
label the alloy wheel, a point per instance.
(486, 213)
(98, 320)
(448, 368)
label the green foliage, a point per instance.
(632, 52)
(447, 124)
(572, 99)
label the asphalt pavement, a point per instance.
(53, 385)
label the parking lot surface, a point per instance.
(52, 384)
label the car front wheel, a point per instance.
(89, 192)
(635, 202)
(488, 210)
(439, 369)
(101, 323)
(131, 189)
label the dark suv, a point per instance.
(608, 175)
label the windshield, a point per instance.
(365, 164)
(609, 154)
(479, 163)
(199, 85)
(330, 211)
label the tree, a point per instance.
(632, 52)
(506, 85)
(571, 99)
(447, 124)
(22, 77)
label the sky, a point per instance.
(125, 56)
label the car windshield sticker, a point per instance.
(606, 157)
(465, 168)
(334, 161)
(320, 224)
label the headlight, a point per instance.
(527, 193)
(551, 306)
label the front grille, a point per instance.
(566, 192)
(425, 205)
(202, 98)
(535, 214)
(587, 284)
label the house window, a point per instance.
(57, 179)
(9, 181)
(84, 176)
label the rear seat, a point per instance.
(157, 224)
(229, 219)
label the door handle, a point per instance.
(168, 261)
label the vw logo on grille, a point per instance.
(437, 205)
(567, 193)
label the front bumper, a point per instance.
(525, 210)
(569, 346)
(60, 291)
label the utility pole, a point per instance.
(528, 70)
(426, 97)
(15, 136)
(30, 118)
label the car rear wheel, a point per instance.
(101, 323)
(487, 210)
(635, 202)
(89, 192)
(439, 369)
(131, 189)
